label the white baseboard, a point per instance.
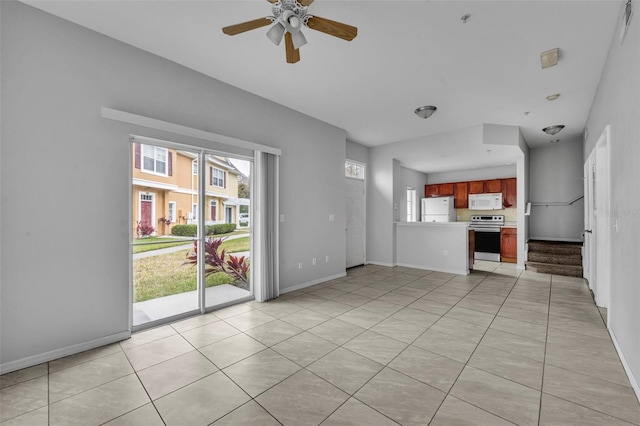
(625, 364)
(310, 283)
(430, 268)
(388, 265)
(30, 361)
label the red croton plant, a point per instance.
(214, 260)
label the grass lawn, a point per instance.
(141, 245)
(164, 275)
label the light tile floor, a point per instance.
(381, 346)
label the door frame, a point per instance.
(364, 218)
(597, 211)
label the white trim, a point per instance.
(153, 184)
(152, 123)
(217, 195)
(632, 379)
(431, 268)
(30, 361)
(153, 207)
(388, 265)
(310, 283)
(568, 240)
(364, 182)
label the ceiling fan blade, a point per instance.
(305, 2)
(273, 1)
(246, 26)
(333, 28)
(293, 54)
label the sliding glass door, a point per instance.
(191, 234)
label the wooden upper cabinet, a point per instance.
(476, 187)
(493, 186)
(431, 190)
(509, 193)
(446, 189)
(461, 194)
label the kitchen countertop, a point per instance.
(510, 225)
(433, 223)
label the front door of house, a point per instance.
(146, 208)
(228, 214)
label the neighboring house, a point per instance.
(165, 186)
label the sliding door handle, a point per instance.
(588, 231)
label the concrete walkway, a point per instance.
(181, 247)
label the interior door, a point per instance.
(355, 222)
(588, 220)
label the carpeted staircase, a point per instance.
(553, 257)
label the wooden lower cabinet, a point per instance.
(509, 245)
(472, 248)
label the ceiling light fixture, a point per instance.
(553, 97)
(465, 18)
(549, 58)
(552, 130)
(555, 141)
(425, 111)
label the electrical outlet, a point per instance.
(299, 265)
(326, 259)
(313, 261)
(446, 252)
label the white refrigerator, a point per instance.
(438, 209)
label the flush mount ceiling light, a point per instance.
(549, 58)
(425, 111)
(555, 141)
(552, 130)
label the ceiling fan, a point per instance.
(288, 18)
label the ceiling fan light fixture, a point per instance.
(298, 39)
(275, 33)
(553, 130)
(425, 111)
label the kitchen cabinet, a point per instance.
(493, 186)
(476, 187)
(431, 190)
(461, 195)
(509, 193)
(472, 248)
(509, 245)
(446, 189)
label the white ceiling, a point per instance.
(406, 54)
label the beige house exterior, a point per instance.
(165, 188)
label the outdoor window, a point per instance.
(218, 177)
(154, 159)
(172, 211)
(354, 170)
(194, 211)
(411, 204)
(194, 168)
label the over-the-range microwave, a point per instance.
(485, 201)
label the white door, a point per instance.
(588, 264)
(355, 221)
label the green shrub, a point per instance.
(221, 228)
(244, 223)
(185, 230)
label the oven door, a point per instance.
(487, 244)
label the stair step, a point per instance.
(549, 268)
(560, 259)
(555, 247)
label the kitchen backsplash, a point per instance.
(464, 215)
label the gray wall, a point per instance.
(557, 176)
(65, 175)
(357, 152)
(472, 174)
(617, 103)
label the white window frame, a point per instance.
(172, 211)
(216, 179)
(359, 166)
(194, 211)
(155, 160)
(194, 167)
(411, 204)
